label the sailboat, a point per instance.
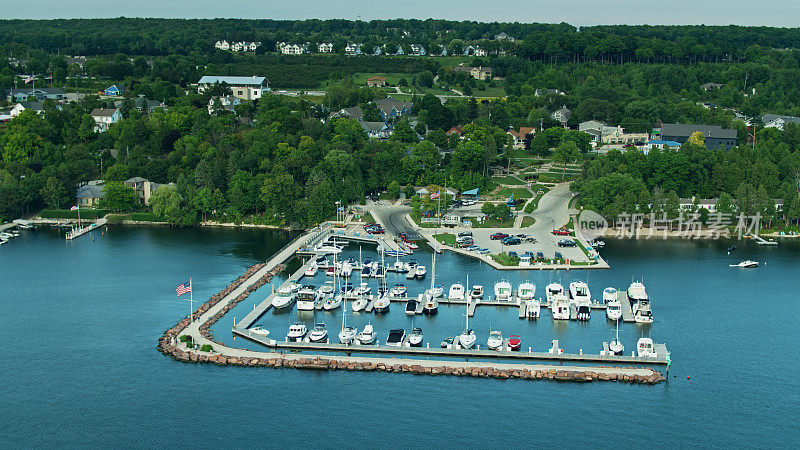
(348, 334)
(431, 302)
(616, 346)
(335, 299)
(467, 338)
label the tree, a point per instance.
(119, 197)
(166, 203)
(502, 211)
(403, 132)
(408, 191)
(488, 208)
(393, 190)
(565, 153)
(53, 192)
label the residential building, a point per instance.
(38, 107)
(354, 113)
(417, 50)
(710, 204)
(377, 130)
(715, 136)
(222, 45)
(143, 187)
(292, 49)
(479, 73)
(80, 61)
(89, 195)
(141, 103)
(352, 49)
(776, 121)
(325, 47)
(522, 138)
(708, 87)
(503, 37)
(376, 50)
(227, 103)
(391, 108)
(602, 133)
(400, 50)
(115, 90)
(543, 92)
(40, 94)
(104, 118)
(480, 52)
(562, 115)
(376, 82)
(245, 88)
(457, 130)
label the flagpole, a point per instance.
(191, 302)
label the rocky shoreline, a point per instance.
(167, 344)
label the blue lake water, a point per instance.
(81, 320)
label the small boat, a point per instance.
(398, 290)
(532, 308)
(502, 291)
(447, 342)
(347, 288)
(259, 331)
(394, 253)
(745, 264)
(400, 267)
(306, 298)
(456, 292)
(333, 302)
(396, 337)
(366, 271)
(584, 313)
(640, 301)
(383, 288)
(311, 270)
(514, 342)
(614, 309)
(347, 270)
(437, 290)
(616, 346)
(348, 335)
(380, 272)
(381, 305)
(326, 288)
(526, 291)
(598, 244)
(559, 305)
(609, 294)
(467, 339)
(420, 272)
(411, 305)
(411, 245)
(327, 249)
(579, 294)
(319, 333)
(553, 289)
(367, 335)
(431, 305)
(477, 292)
(283, 299)
(495, 341)
(360, 303)
(297, 331)
(411, 270)
(415, 337)
(645, 348)
(363, 289)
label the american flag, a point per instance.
(435, 195)
(29, 79)
(183, 288)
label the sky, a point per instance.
(778, 13)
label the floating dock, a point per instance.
(77, 232)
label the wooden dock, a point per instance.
(371, 305)
(627, 312)
(77, 232)
(471, 308)
(523, 310)
(455, 352)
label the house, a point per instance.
(292, 49)
(480, 52)
(80, 61)
(354, 113)
(245, 88)
(143, 187)
(237, 46)
(38, 107)
(455, 130)
(543, 92)
(708, 87)
(562, 115)
(325, 47)
(222, 45)
(377, 130)
(776, 121)
(226, 102)
(417, 50)
(390, 108)
(352, 49)
(140, 103)
(89, 195)
(115, 90)
(253, 46)
(376, 50)
(40, 94)
(104, 118)
(471, 195)
(376, 82)
(522, 138)
(400, 50)
(503, 37)
(479, 73)
(602, 133)
(715, 136)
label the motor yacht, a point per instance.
(583, 313)
(614, 309)
(420, 272)
(396, 337)
(502, 291)
(327, 249)
(415, 337)
(495, 341)
(326, 288)
(645, 348)
(532, 308)
(319, 333)
(559, 305)
(311, 270)
(411, 305)
(526, 291)
(477, 292)
(514, 342)
(398, 290)
(259, 331)
(610, 294)
(363, 289)
(748, 264)
(400, 267)
(297, 331)
(579, 294)
(360, 303)
(306, 298)
(553, 289)
(284, 299)
(456, 292)
(367, 335)
(640, 303)
(347, 289)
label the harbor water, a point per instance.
(82, 317)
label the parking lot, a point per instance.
(545, 243)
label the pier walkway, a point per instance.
(77, 232)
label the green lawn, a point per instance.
(68, 214)
(528, 221)
(507, 179)
(505, 260)
(518, 193)
(490, 92)
(445, 238)
(493, 222)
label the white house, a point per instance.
(325, 47)
(352, 49)
(222, 45)
(253, 46)
(22, 106)
(227, 102)
(417, 50)
(245, 88)
(292, 49)
(237, 46)
(104, 118)
(778, 121)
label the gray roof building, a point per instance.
(715, 136)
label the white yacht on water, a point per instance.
(559, 305)
(640, 303)
(348, 334)
(477, 292)
(495, 340)
(553, 289)
(284, 298)
(307, 298)
(616, 346)
(319, 333)
(456, 292)
(367, 335)
(502, 291)
(580, 297)
(526, 291)
(613, 304)
(467, 339)
(432, 294)
(645, 348)
(297, 331)
(532, 308)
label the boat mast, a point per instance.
(433, 270)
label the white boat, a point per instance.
(467, 339)
(410, 269)
(319, 333)
(327, 249)
(360, 303)
(616, 346)
(610, 294)
(559, 305)
(311, 270)
(326, 288)
(400, 267)
(532, 308)
(526, 291)
(579, 294)
(306, 298)
(259, 331)
(437, 290)
(331, 271)
(614, 309)
(553, 289)
(640, 303)
(431, 305)
(477, 292)
(283, 299)
(367, 335)
(420, 272)
(502, 291)
(398, 290)
(347, 269)
(363, 289)
(748, 264)
(456, 292)
(333, 302)
(411, 245)
(396, 337)
(645, 348)
(297, 331)
(415, 337)
(495, 341)
(348, 334)
(411, 305)
(381, 305)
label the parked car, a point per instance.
(497, 236)
(530, 239)
(559, 255)
(473, 248)
(483, 251)
(566, 243)
(465, 233)
(561, 232)
(511, 240)
(539, 256)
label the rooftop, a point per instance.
(238, 81)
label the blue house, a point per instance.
(115, 90)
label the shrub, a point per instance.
(186, 338)
(206, 348)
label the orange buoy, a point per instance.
(687, 377)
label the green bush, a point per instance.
(206, 348)
(185, 338)
(145, 217)
(68, 214)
